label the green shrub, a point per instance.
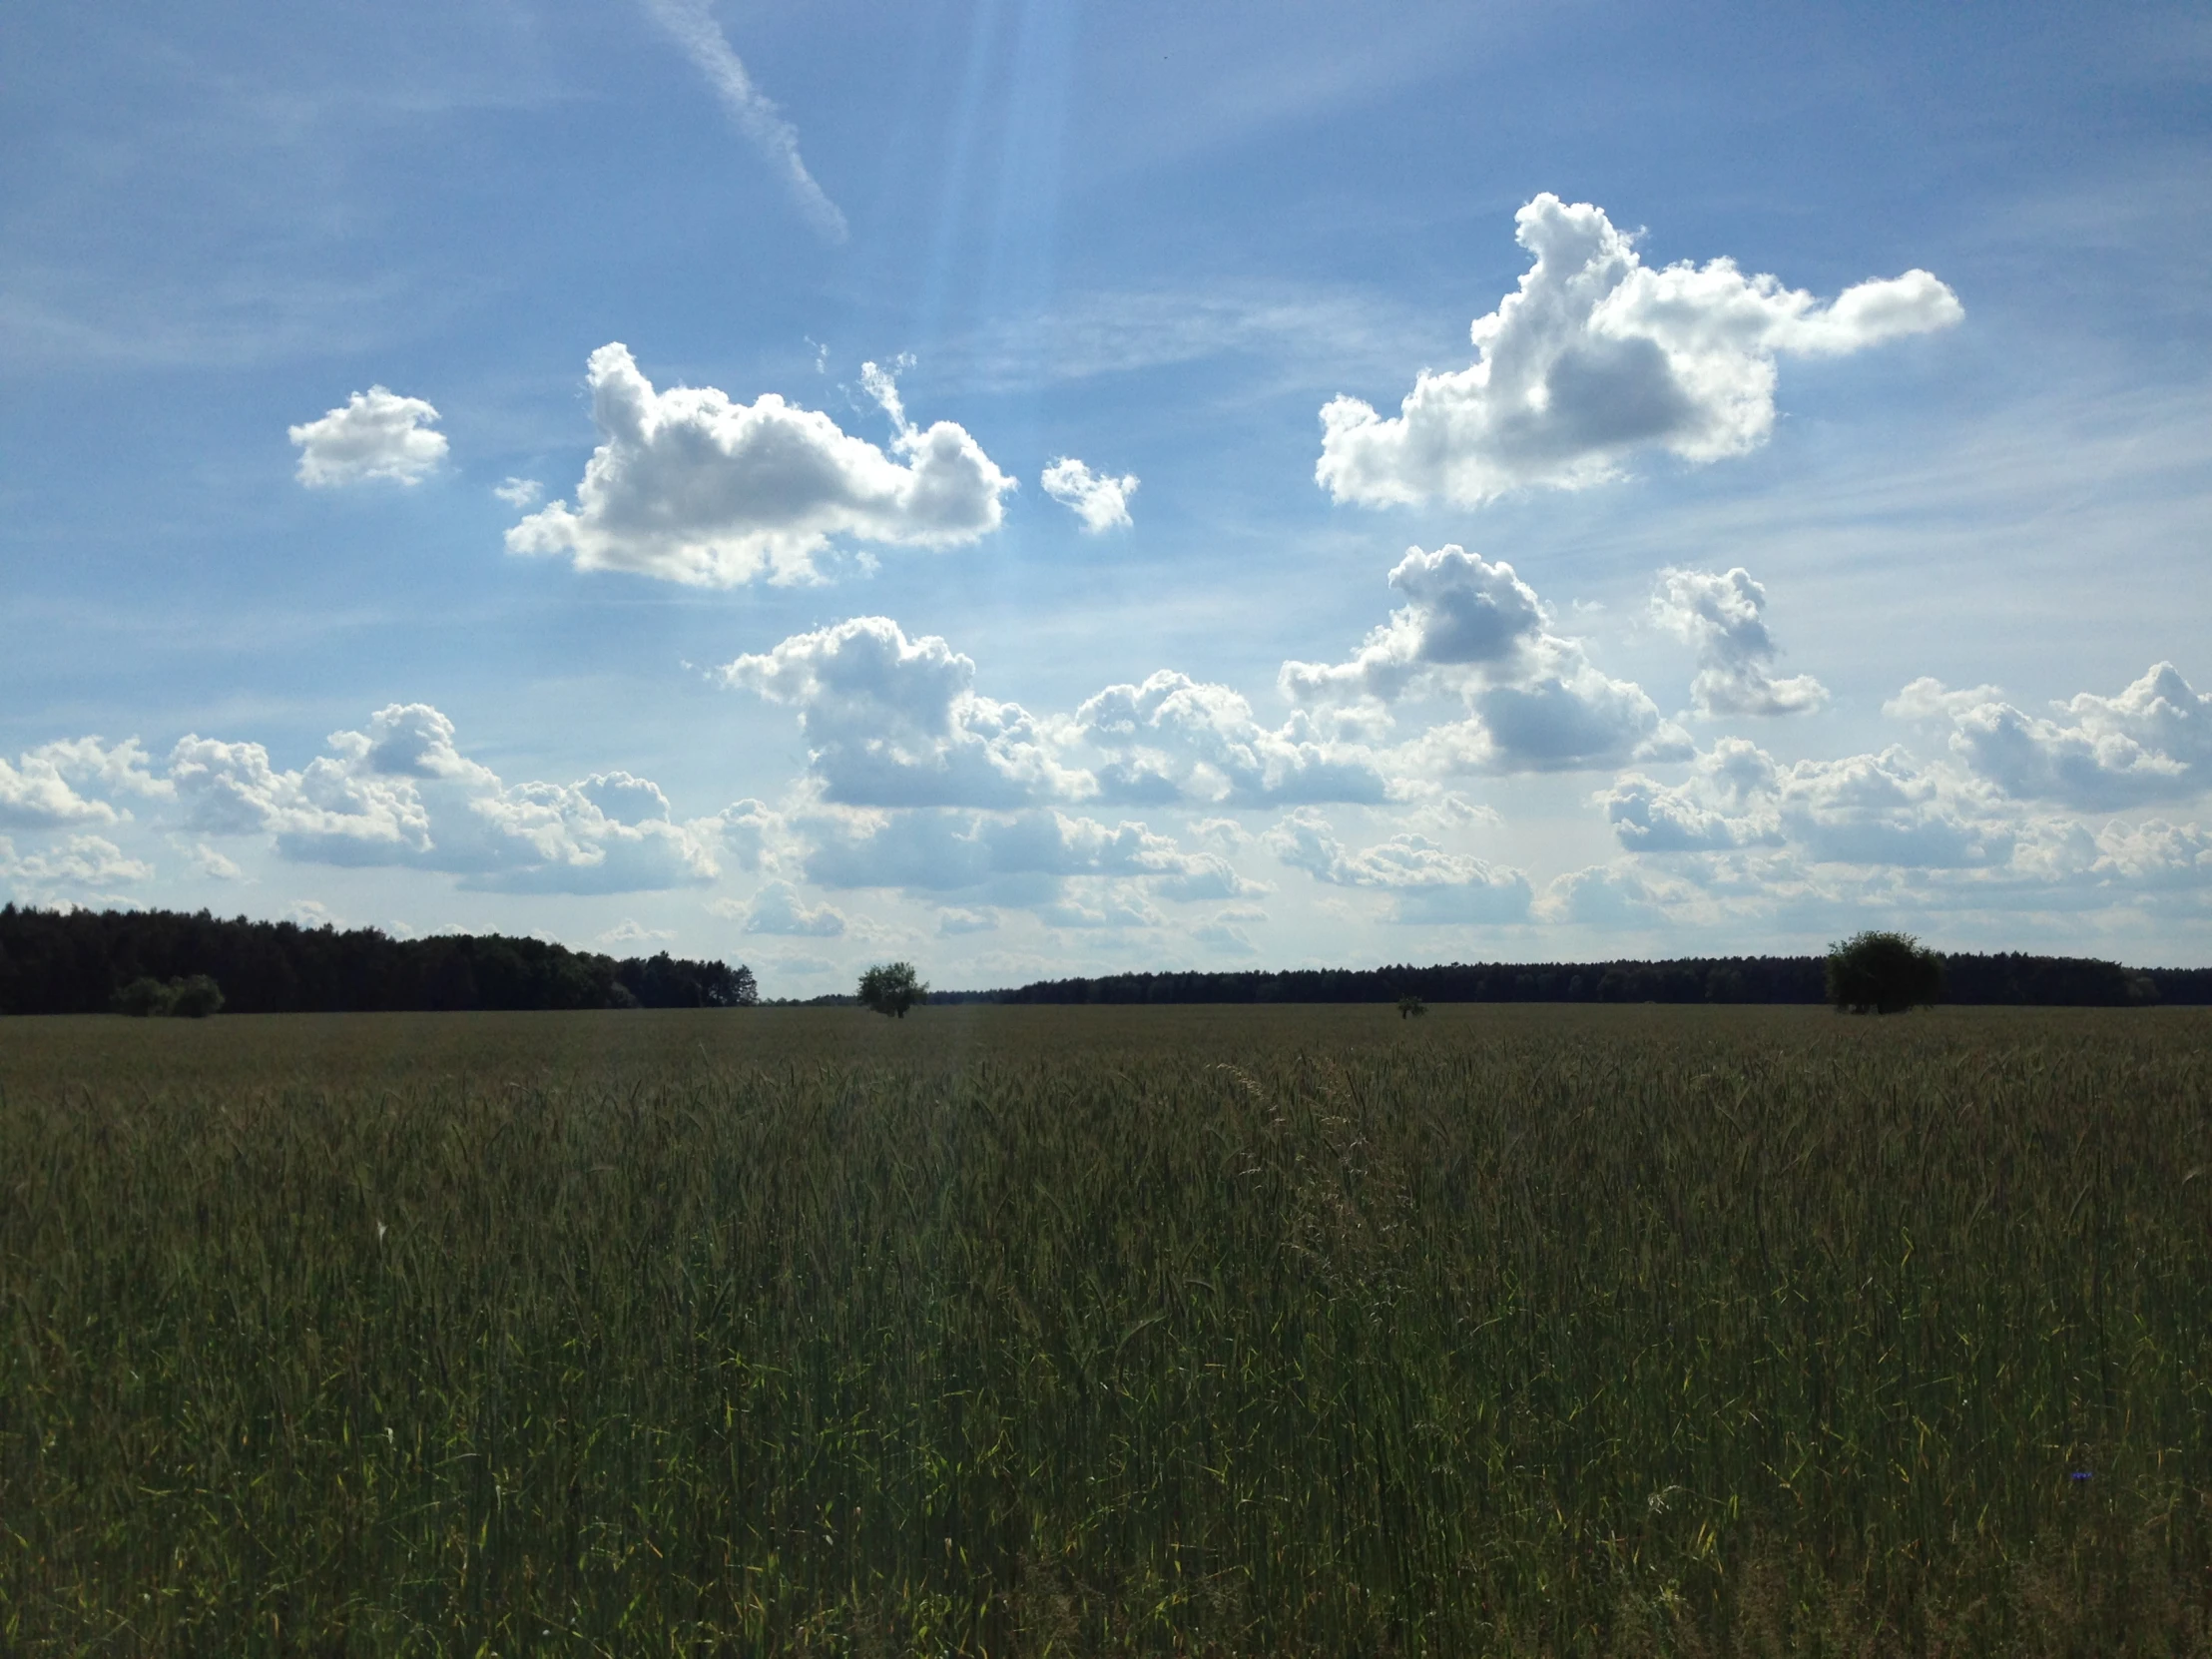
(144, 996)
(194, 997)
(1883, 973)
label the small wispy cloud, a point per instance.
(693, 27)
(1309, 335)
(1100, 500)
(373, 435)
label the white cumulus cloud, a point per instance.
(1111, 904)
(1178, 739)
(1883, 809)
(777, 908)
(894, 722)
(401, 793)
(1887, 809)
(952, 920)
(689, 486)
(81, 867)
(1927, 697)
(2151, 743)
(897, 722)
(519, 493)
(1100, 501)
(209, 862)
(1453, 811)
(48, 786)
(1649, 816)
(1462, 613)
(2154, 854)
(1429, 883)
(1025, 858)
(376, 435)
(1474, 629)
(1608, 895)
(1723, 615)
(1599, 357)
(1228, 931)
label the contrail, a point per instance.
(693, 27)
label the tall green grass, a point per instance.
(1028, 1331)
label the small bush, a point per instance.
(145, 996)
(196, 997)
(192, 997)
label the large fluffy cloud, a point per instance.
(1177, 738)
(1600, 356)
(2151, 743)
(1723, 615)
(63, 782)
(1609, 896)
(1728, 803)
(777, 908)
(81, 868)
(2154, 855)
(1019, 859)
(1568, 718)
(692, 487)
(1462, 612)
(401, 793)
(894, 722)
(1887, 809)
(1428, 883)
(1474, 628)
(376, 435)
(1883, 809)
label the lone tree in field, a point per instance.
(1883, 973)
(892, 988)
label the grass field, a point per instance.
(1232, 1330)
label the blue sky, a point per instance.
(654, 473)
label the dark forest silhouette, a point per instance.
(75, 961)
(2008, 978)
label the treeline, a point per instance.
(2049, 981)
(73, 962)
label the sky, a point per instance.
(1036, 488)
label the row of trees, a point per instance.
(1881, 972)
(81, 961)
(73, 962)
(2044, 981)
(1873, 973)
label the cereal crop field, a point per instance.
(1270, 1330)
